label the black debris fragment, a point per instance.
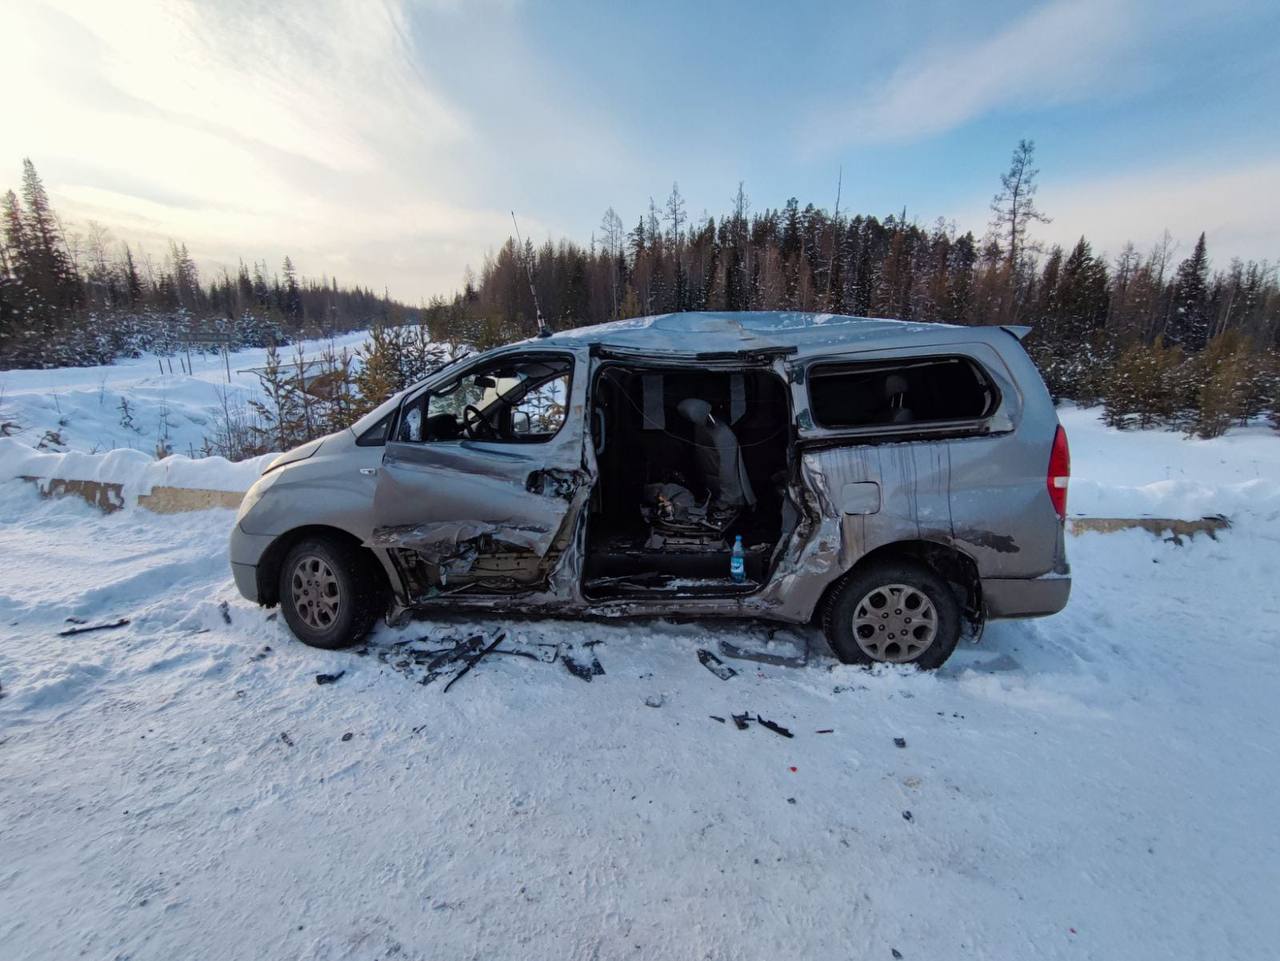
(776, 728)
(498, 639)
(826, 730)
(896, 954)
(323, 679)
(95, 627)
(740, 721)
(791, 800)
(907, 816)
(76, 620)
(262, 654)
(716, 666)
(419, 729)
(900, 742)
(348, 736)
(714, 718)
(225, 610)
(284, 736)
(584, 671)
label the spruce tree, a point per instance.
(1189, 321)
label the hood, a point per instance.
(295, 455)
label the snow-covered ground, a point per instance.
(81, 405)
(1099, 784)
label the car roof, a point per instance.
(805, 334)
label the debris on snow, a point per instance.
(655, 700)
(323, 679)
(776, 728)
(498, 638)
(284, 736)
(900, 742)
(94, 627)
(716, 666)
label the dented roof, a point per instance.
(749, 331)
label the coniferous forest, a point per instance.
(1160, 336)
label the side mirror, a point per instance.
(521, 422)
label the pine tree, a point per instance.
(1189, 321)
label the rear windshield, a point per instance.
(903, 392)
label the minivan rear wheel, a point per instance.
(327, 596)
(896, 612)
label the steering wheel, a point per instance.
(476, 426)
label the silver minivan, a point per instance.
(899, 483)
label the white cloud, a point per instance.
(251, 130)
(1059, 52)
(1237, 208)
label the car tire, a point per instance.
(898, 612)
(328, 596)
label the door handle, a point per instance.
(368, 471)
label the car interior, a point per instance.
(514, 401)
(688, 459)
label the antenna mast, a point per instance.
(528, 272)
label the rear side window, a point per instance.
(899, 393)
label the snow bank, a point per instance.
(1160, 473)
(134, 470)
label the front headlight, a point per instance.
(254, 493)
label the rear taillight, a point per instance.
(1059, 472)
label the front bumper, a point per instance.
(246, 552)
(246, 577)
(1025, 596)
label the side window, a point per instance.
(376, 436)
(905, 392)
(521, 400)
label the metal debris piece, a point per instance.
(716, 666)
(284, 736)
(776, 728)
(714, 718)
(900, 742)
(323, 679)
(94, 627)
(740, 721)
(729, 649)
(907, 816)
(348, 736)
(826, 730)
(498, 639)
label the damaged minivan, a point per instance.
(897, 483)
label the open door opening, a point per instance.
(688, 459)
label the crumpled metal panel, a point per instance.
(441, 540)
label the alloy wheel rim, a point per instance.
(316, 595)
(895, 623)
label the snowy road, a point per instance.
(1096, 785)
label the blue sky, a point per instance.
(386, 142)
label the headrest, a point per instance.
(695, 411)
(894, 385)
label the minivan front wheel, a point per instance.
(326, 595)
(896, 612)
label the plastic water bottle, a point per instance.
(738, 561)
